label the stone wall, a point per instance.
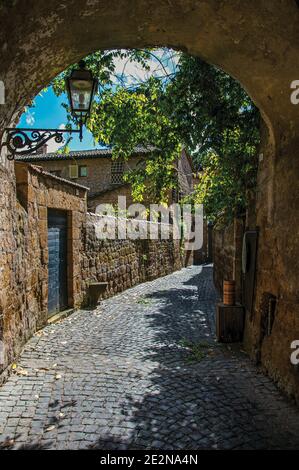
(125, 263)
(227, 255)
(223, 255)
(277, 203)
(205, 254)
(277, 267)
(102, 190)
(14, 317)
(24, 253)
(110, 196)
(185, 174)
(39, 191)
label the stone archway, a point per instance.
(256, 42)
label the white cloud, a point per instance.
(30, 119)
(133, 72)
(52, 145)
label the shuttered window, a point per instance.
(73, 171)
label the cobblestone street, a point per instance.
(143, 371)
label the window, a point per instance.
(73, 171)
(83, 172)
(117, 172)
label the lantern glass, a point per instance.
(81, 92)
(81, 87)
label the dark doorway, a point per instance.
(57, 246)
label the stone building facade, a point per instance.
(104, 176)
(93, 168)
(25, 272)
(24, 275)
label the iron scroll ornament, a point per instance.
(27, 141)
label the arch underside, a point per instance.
(255, 42)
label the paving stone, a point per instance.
(128, 380)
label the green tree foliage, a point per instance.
(197, 107)
(219, 125)
(127, 118)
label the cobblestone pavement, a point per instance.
(125, 376)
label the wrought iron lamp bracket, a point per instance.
(27, 141)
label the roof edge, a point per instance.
(42, 172)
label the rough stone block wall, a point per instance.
(111, 197)
(185, 174)
(227, 255)
(277, 265)
(277, 203)
(205, 254)
(18, 304)
(24, 251)
(46, 192)
(125, 263)
(24, 254)
(223, 255)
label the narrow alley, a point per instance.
(143, 371)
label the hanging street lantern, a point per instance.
(81, 88)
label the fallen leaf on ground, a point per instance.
(21, 372)
(50, 428)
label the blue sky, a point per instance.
(47, 111)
